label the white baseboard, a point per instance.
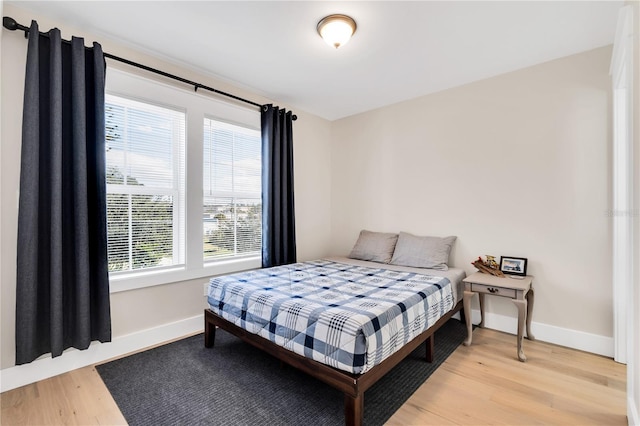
(43, 368)
(632, 412)
(574, 339)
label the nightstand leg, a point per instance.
(522, 310)
(466, 303)
(481, 300)
(529, 314)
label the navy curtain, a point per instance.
(278, 218)
(62, 295)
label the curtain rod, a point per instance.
(11, 24)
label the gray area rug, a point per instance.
(183, 383)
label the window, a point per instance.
(183, 184)
(145, 184)
(232, 190)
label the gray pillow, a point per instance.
(374, 246)
(422, 252)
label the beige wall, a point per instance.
(514, 165)
(154, 306)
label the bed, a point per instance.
(344, 321)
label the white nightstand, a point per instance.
(518, 290)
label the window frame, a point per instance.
(197, 106)
(178, 196)
(234, 195)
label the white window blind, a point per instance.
(145, 185)
(232, 184)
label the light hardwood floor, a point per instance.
(480, 384)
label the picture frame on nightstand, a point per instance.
(513, 265)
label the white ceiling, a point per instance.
(400, 51)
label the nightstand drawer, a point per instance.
(496, 291)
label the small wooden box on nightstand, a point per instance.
(519, 291)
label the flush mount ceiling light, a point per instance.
(336, 30)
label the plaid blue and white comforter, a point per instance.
(345, 316)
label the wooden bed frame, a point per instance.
(353, 385)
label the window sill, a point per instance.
(137, 280)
